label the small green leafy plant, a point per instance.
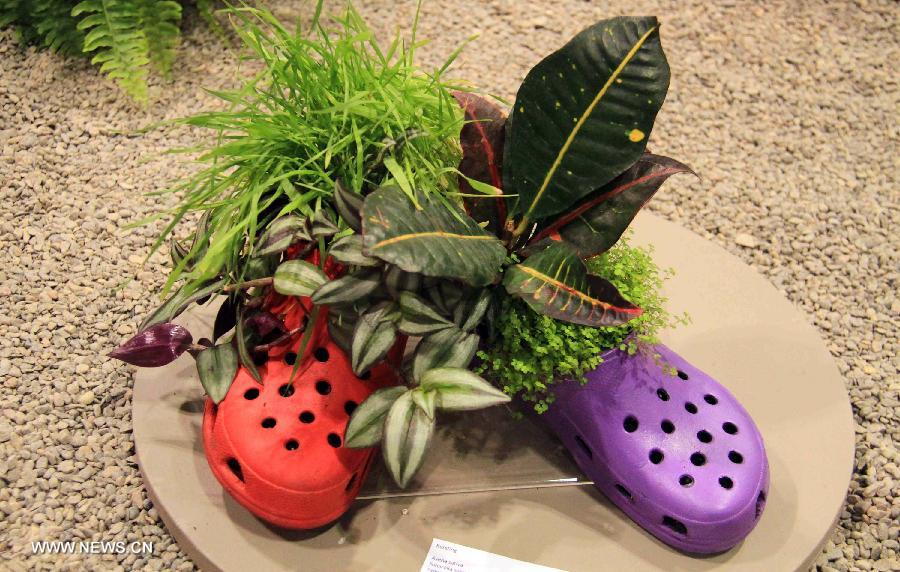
(124, 37)
(342, 164)
(532, 351)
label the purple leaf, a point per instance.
(154, 347)
(264, 323)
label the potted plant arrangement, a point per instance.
(392, 246)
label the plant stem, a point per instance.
(304, 343)
(267, 281)
(278, 341)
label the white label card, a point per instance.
(451, 557)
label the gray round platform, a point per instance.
(743, 333)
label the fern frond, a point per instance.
(18, 13)
(159, 21)
(113, 31)
(58, 29)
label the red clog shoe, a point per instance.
(277, 448)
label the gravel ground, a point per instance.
(787, 109)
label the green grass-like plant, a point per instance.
(533, 351)
(328, 105)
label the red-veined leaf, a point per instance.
(556, 282)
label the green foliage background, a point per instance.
(533, 351)
(126, 38)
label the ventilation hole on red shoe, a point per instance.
(268, 422)
(260, 359)
(630, 424)
(711, 399)
(321, 354)
(674, 525)
(686, 480)
(307, 417)
(726, 483)
(667, 426)
(235, 468)
(351, 482)
(760, 503)
(682, 375)
(656, 456)
(690, 408)
(366, 375)
(350, 407)
(624, 492)
(292, 445)
(251, 394)
(735, 457)
(704, 436)
(290, 358)
(698, 459)
(729, 428)
(662, 394)
(286, 390)
(334, 440)
(323, 387)
(584, 448)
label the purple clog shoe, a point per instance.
(678, 454)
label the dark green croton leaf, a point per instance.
(583, 115)
(595, 225)
(556, 282)
(481, 139)
(432, 239)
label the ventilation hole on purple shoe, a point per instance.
(334, 440)
(729, 428)
(682, 375)
(726, 483)
(307, 417)
(268, 422)
(674, 525)
(624, 492)
(251, 394)
(630, 424)
(292, 445)
(290, 358)
(321, 354)
(351, 482)
(323, 387)
(698, 459)
(690, 408)
(711, 399)
(286, 390)
(350, 407)
(366, 375)
(735, 457)
(667, 426)
(662, 394)
(584, 448)
(686, 480)
(760, 503)
(656, 456)
(704, 436)
(235, 468)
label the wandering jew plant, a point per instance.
(393, 253)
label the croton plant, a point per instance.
(535, 195)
